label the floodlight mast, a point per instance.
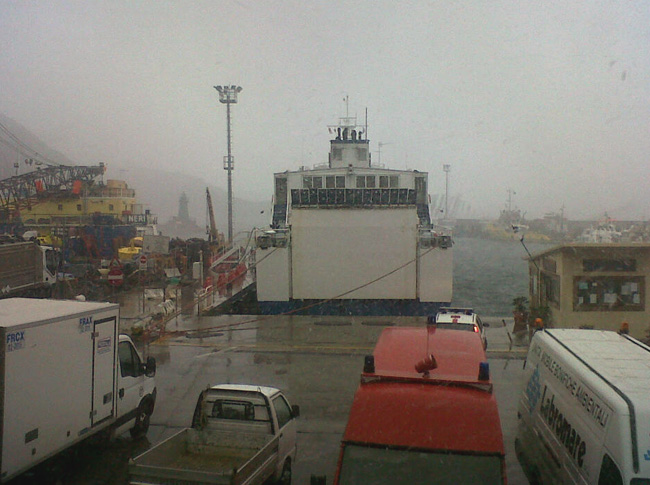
(446, 168)
(228, 96)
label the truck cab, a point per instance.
(136, 390)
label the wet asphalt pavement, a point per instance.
(316, 361)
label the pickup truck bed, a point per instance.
(194, 456)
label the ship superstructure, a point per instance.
(349, 237)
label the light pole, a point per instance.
(228, 96)
(446, 168)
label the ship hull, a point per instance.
(360, 307)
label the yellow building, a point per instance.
(593, 285)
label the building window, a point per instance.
(383, 181)
(110, 207)
(608, 265)
(340, 181)
(60, 207)
(79, 207)
(337, 153)
(394, 181)
(550, 288)
(609, 293)
(329, 182)
(371, 181)
(361, 182)
(306, 182)
(362, 154)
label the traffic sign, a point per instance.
(115, 277)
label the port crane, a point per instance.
(213, 235)
(22, 191)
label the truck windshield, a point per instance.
(362, 464)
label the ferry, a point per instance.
(348, 237)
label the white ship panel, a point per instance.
(337, 250)
(273, 274)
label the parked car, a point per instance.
(460, 319)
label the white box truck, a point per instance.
(65, 375)
(584, 413)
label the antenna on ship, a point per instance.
(366, 127)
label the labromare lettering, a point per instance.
(563, 429)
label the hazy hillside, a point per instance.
(23, 145)
(157, 190)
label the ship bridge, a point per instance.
(350, 147)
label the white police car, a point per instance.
(459, 319)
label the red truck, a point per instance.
(424, 412)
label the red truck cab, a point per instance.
(424, 412)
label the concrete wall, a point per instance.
(337, 250)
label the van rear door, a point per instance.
(103, 386)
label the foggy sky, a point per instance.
(550, 99)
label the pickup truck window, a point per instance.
(129, 360)
(238, 410)
(233, 410)
(363, 464)
(283, 411)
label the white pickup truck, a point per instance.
(240, 434)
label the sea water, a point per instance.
(489, 274)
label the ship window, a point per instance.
(383, 181)
(312, 182)
(609, 293)
(394, 181)
(329, 182)
(361, 182)
(340, 181)
(362, 154)
(370, 181)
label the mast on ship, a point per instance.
(350, 147)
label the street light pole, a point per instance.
(228, 96)
(446, 168)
